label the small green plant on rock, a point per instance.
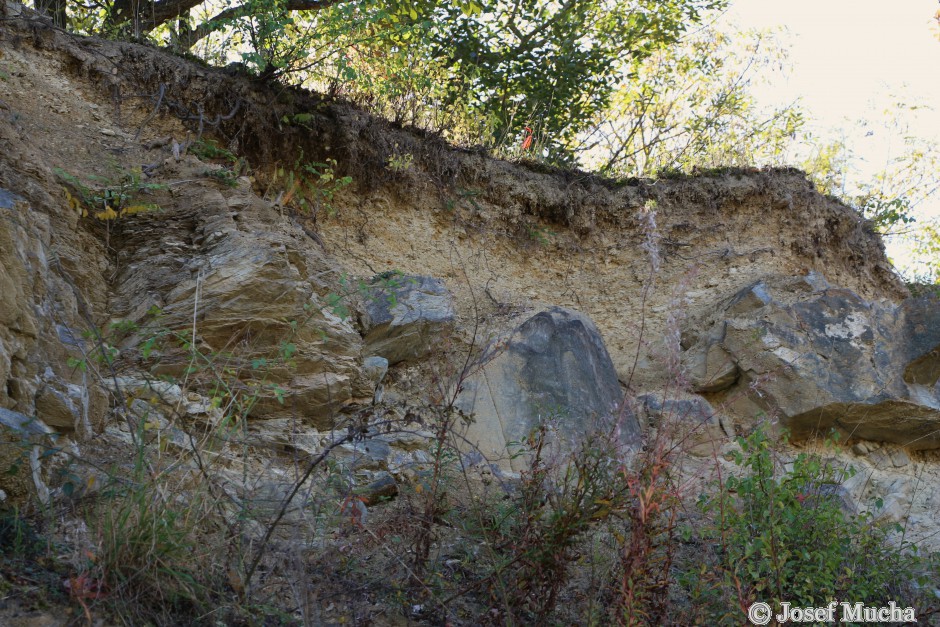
(310, 186)
(209, 150)
(400, 162)
(108, 198)
(226, 177)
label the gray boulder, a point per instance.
(554, 369)
(819, 358)
(374, 370)
(403, 315)
(691, 422)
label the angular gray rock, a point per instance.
(8, 199)
(922, 329)
(835, 494)
(23, 426)
(374, 370)
(370, 454)
(403, 315)
(555, 369)
(820, 357)
(692, 422)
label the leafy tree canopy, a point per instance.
(552, 66)
(549, 65)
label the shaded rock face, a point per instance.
(24, 443)
(555, 369)
(404, 315)
(253, 285)
(40, 325)
(922, 322)
(820, 357)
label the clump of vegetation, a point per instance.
(208, 149)
(148, 556)
(111, 197)
(400, 162)
(310, 186)
(783, 536)
(918, 289)
(224, 176)
(531, 538)
(18, 537)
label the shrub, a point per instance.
(531, 535)
(783, 536)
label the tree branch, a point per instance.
(166, 10)
(218, 21)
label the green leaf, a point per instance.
(147, 347)
(288, 349)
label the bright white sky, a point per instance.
(847, 59)
(848, 53)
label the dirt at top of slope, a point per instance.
(144, 93)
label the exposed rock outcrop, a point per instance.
(819, 357)
(260, 289)
(222, 259)
(24, 444)
(40, 323)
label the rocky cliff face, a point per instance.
(740, 296)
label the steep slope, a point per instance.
(505, 237)
(739, 297)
